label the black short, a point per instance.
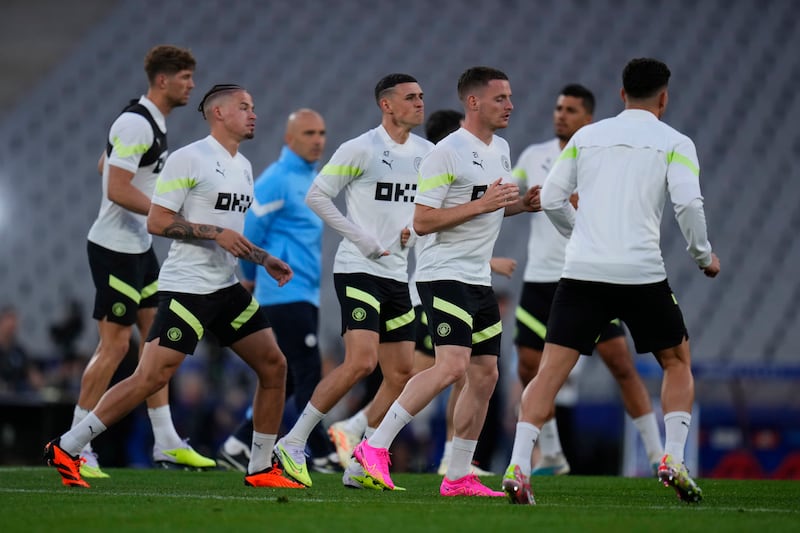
(124, 283)
(377, 304)
(295, 326)
(424, 339)
(461, 314)
(182, 319)
(534, 312)
(581, 309)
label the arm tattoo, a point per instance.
(257, 256)
(181, 229)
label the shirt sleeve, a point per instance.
(683, 182)
(683, 173)
(346, 164)
(130, 137)
(436, 174)
(175, 181)
(519, 174)
(557, 188)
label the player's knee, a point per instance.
(484, 377)
(114, 348)
(271, 366)
(360, 363)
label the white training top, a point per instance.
(130, 136)
(623, 167)
(205, 185)
(545, 244)
(379, 177)
(412, 280)
(458, 170)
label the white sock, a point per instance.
(676, 424)
(651, 436)
(261, 452)
(524, 441)
(78, 414)
(461, 460)
(76, 438)
(549, 441)
(309, 418)
(448, 452)
(357, 423)
(368, 432)
(164, 434)
(395, 420)
(234, 446)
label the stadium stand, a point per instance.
(735, 75)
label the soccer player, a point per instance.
(573, 110)
(346, 434)
(200, 201)
(378, 173)
(121, 257)
(622, 168)
(280, 219)
(463, 193)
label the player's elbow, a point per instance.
(420, 228)
(153, 227)
(551, 199)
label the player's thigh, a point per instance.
(532, 314)
(653, 316)
(580, 311)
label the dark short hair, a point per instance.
(389, 82)
(167, 59)
(477, 77)
(643, 77)
(216, 90)
(577, 90)
(442, 123)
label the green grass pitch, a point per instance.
(33, 499)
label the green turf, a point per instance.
(32, 499)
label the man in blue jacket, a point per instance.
(280, 217)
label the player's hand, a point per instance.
(405, 235)
(279, 270)
(499, 196)
(371, 247)
(234, 242)
(713, 269)
(573, 199)
(532, 201)
(503, 265)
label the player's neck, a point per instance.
(231, 144)
(397, 132)
(161, 101)
(479, 130)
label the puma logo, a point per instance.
(478, 164)
(387, 163)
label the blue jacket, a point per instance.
(280, 222)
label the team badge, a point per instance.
(443, 329)
(118, 309)
(417, 163)
(174, 334)
(506, 163)
(359, 314)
